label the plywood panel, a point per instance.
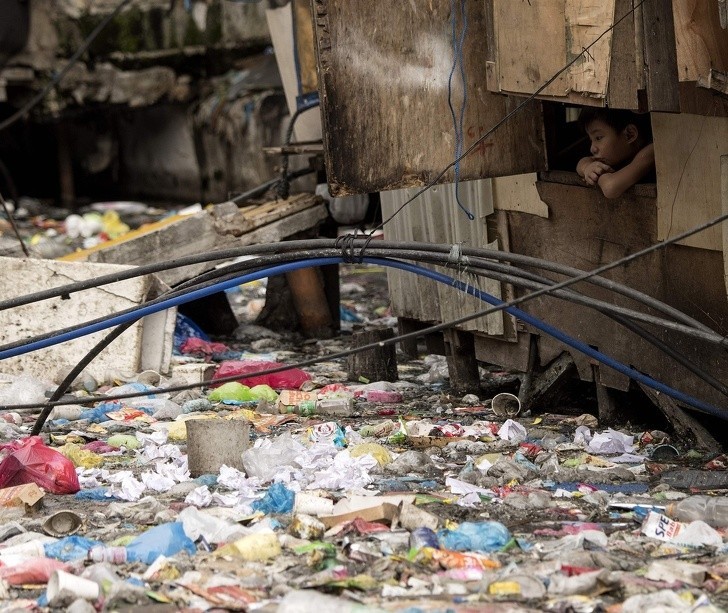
(536, 39)
(701, 42)
(518, 193)
(687, 157)
(384, 71)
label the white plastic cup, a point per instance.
(63, 585)
(506, 405)
(34, 549)
(310, 504)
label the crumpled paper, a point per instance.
(512, 431)
(611, 441)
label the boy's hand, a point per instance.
(594, 170)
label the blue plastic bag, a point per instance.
(185, 328)
(278, 499)
(475, 536)
(98, 413)
(70, 548)
(164, 540)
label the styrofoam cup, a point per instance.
(64, 585)
(506, 405)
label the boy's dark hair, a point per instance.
(618, 119)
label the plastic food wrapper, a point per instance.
(693, 534)
(287, 379)
(31, 461)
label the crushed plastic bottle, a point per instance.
(712, 510)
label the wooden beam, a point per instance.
(561, 369)
(660, 56)
(686, 427)
(716, 82)
(461, 363)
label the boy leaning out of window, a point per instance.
(622, 152)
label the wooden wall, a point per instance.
(384, 71)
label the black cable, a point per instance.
(348, 245)
(284, 186)
(71, 62)
(510, 278)
(270, 260)
(13, 226)
(264, 187)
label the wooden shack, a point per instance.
(383, 80)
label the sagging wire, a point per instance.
(11, 219)
(459, 252)
(458, 62)
(35, 100)
(498, 305)
(505, 119)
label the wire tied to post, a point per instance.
(348, 252)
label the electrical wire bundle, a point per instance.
(279, 258)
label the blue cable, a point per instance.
(418, 270)
(458, 121)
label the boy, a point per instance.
(622, 152)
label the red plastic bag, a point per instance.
(285, 380)
(31, 461)
(35, 571)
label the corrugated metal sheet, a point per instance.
(435, 217)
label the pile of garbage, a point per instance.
(302, 491)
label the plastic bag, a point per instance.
(475, 536)
(70, 548)
(184, 329)
(278, 499)
(33, 572)
(31, 461)
(288, 379)
(165, 540)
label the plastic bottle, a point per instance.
(113, 555)
(712, 510)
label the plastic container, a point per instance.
(712, 510)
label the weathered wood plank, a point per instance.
(623, 77)
(686, 427)
(385, 98)
(198, 234)
(701, 42)
(687, 158)
(660, 56)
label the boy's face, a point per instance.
(608, 145)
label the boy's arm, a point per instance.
(590, 169)
(614, 184)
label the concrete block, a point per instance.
(147, 345)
